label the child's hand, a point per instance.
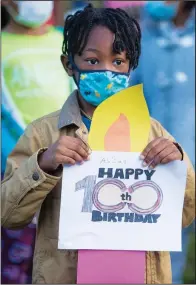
(67, 150)
(160, 151)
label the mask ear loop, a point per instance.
(67, 65)
(71, 61)
(74, 66)
(129, 72)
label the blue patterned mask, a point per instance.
(97, 86)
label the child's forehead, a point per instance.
(100, 30)
(100, 36)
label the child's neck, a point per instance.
(86, 107)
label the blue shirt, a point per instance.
(87, 122)
(167, 71)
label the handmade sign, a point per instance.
(111, 202)
(121, 123)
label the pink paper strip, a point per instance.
(110, 267)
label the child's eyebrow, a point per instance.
(93, 50)
(100, 52)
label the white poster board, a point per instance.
(111, 202)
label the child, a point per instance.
(100, 46)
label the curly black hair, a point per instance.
(126, 29)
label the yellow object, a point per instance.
(129, 105)
(97, 94)
(83, 76)
(109, 86)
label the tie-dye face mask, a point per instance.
(98, 85)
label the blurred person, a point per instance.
(123, 4)
(167, 70)
(60, 8)
(33, 84)
(4, 17)
(101, 47)
(133, 8)
(66, 8)
(30, 53)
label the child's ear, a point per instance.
(66, 64)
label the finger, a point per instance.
(161, 155)
(62, 159)
(79, 143)
(69, 141)
(76, 145)
(171, 157)
(149, 146)
(74, 155)
(157, 149)
(87, 145)
(80, 150)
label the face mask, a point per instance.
(32, 13)
(160, 10)
(97, 86)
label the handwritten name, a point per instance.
(113, 160)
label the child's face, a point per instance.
(98, 54)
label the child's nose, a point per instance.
(108, 66)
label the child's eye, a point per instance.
(118, 62)
(92, 61)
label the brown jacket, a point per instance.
(27, 189)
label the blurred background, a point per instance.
(34, 84)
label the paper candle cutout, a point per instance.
(129, 103)
(119, 134)
(121, 123)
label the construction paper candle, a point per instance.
(121, 123)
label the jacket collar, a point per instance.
(70, 112)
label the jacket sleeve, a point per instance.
(188, 214)
(25, 185)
